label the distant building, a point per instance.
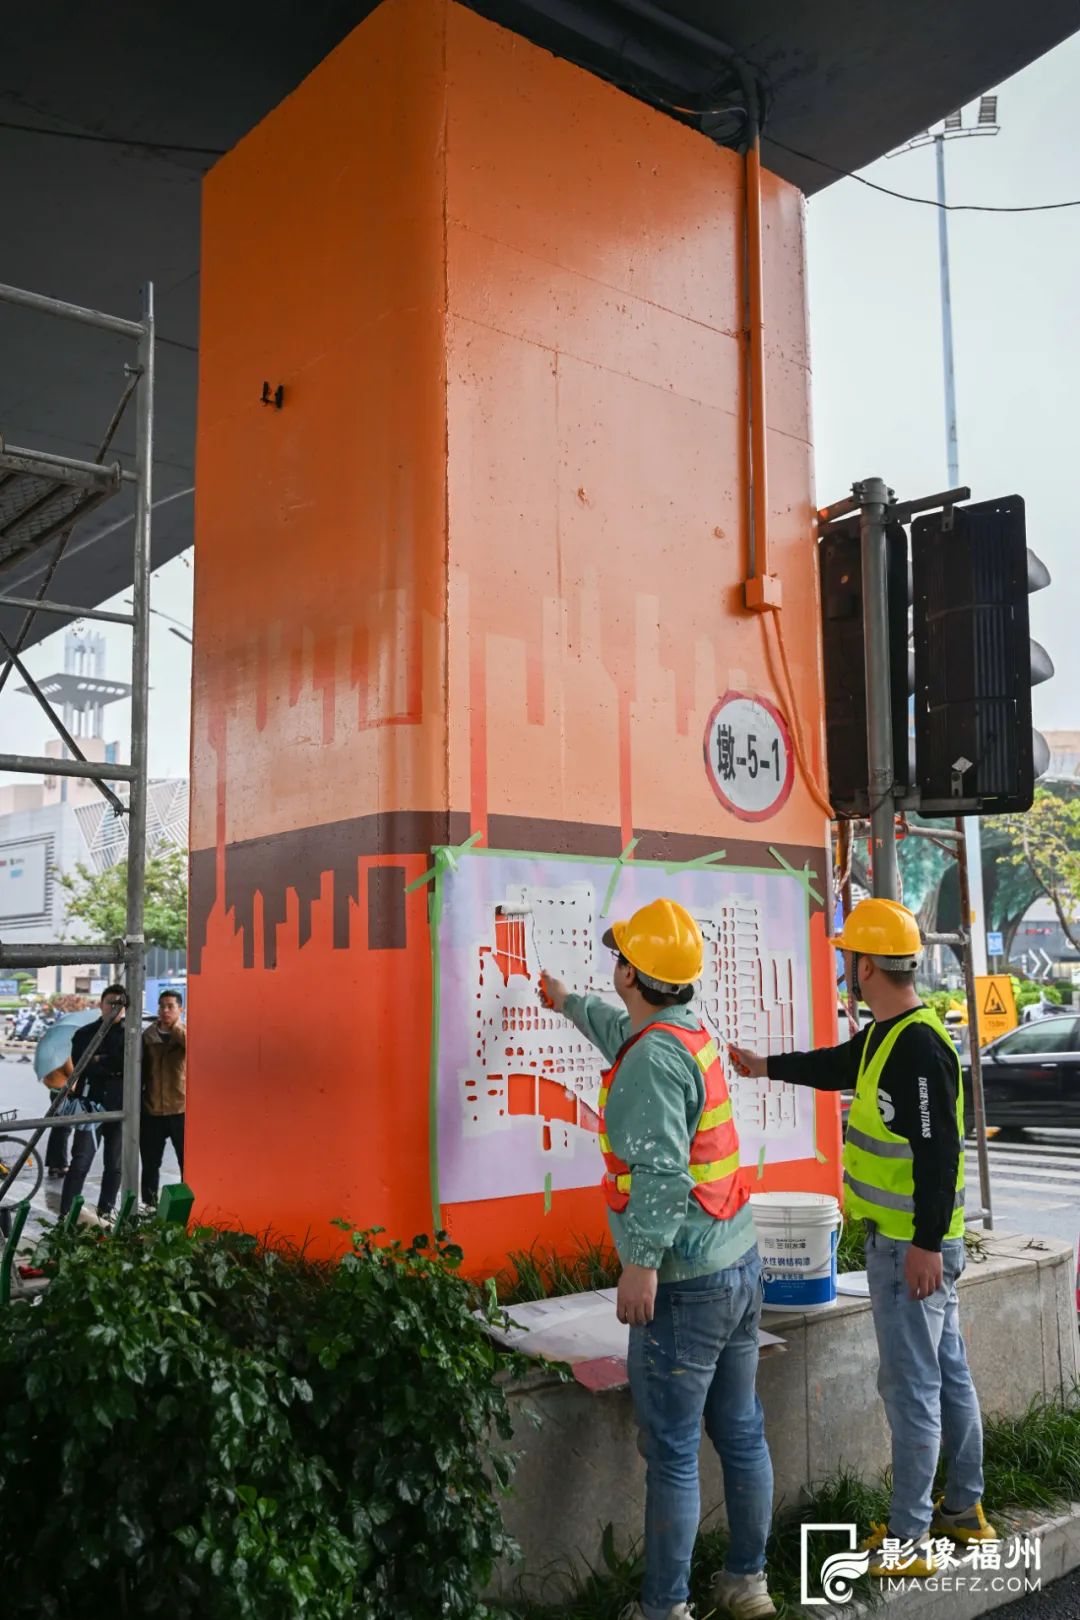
(1040, 949)
(1064, 749)
(49, 828)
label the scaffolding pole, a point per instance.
(134, 941)
(42, 496)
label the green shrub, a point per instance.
(939, 1001)
(201, 1425)
(1027, 991)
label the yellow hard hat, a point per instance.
(880, 928)
(662, 941)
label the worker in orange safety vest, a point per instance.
(690, 1288)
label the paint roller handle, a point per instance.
(552, 993)
(748, 1063)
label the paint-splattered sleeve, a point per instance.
(653, 1109)
(600, 1023)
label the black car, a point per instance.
(1031, 1076)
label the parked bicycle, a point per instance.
(31, 1174)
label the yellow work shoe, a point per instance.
(969, 1525)
(896, 1560)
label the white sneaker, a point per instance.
(745, 1597)
(681, 1611)
(89, 1217)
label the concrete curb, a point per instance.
(1059, 1555)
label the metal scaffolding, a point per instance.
(42, 497)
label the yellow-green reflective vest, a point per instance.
(879, 1184)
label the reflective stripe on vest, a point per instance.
(890, 1200)
(714, 1150)
(884, 1150)
(879, 1182)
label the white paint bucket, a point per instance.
(797, 1235)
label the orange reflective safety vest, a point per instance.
(714, 1151)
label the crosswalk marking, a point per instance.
(1000, 1190)
(1026, 1150)
(1031, 1150)
(1032, 1175)
(1010, 1167)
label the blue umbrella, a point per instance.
(54, 1047)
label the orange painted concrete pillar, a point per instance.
(480, 574)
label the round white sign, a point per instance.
(748, 756)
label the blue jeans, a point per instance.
(924, 1381)
(698, 1359)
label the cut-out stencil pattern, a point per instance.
(516, 1085)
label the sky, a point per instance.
(875, 324)
(25, 729)
(877, 375)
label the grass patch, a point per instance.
(1032, 1464)
(540, 1273)
(1033, 1461)
(851, 1246)
(615, 1580)
(544, 1273)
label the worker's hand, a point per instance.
(922, 1272)
(748, 1063)
(636, 1301)
(553, 992)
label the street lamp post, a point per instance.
(953, 129)
(952, 448)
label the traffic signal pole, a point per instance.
(875, 503)
(873, 496)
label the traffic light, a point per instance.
(975, 663)
(840, 566)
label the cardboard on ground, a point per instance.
(578, 1328)
(996, 1004)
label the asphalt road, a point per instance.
(1034, 1183)
(1059, 1601)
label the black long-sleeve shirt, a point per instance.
(917, 1099)
(103, 1079)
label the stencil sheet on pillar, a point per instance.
(528, 1068)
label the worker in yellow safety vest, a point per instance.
(690, 1288)
(904, 1176)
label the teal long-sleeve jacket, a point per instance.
(651, 1117)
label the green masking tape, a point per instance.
(617, 874)
(805, 877)
(761, 1162)
(703, 863)
(446, 859)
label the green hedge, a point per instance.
(201, 1425)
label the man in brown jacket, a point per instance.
(164, 1091)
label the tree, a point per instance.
(921, 865)
(98, 900)
(1048, 849)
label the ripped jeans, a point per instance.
(698, 1359)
